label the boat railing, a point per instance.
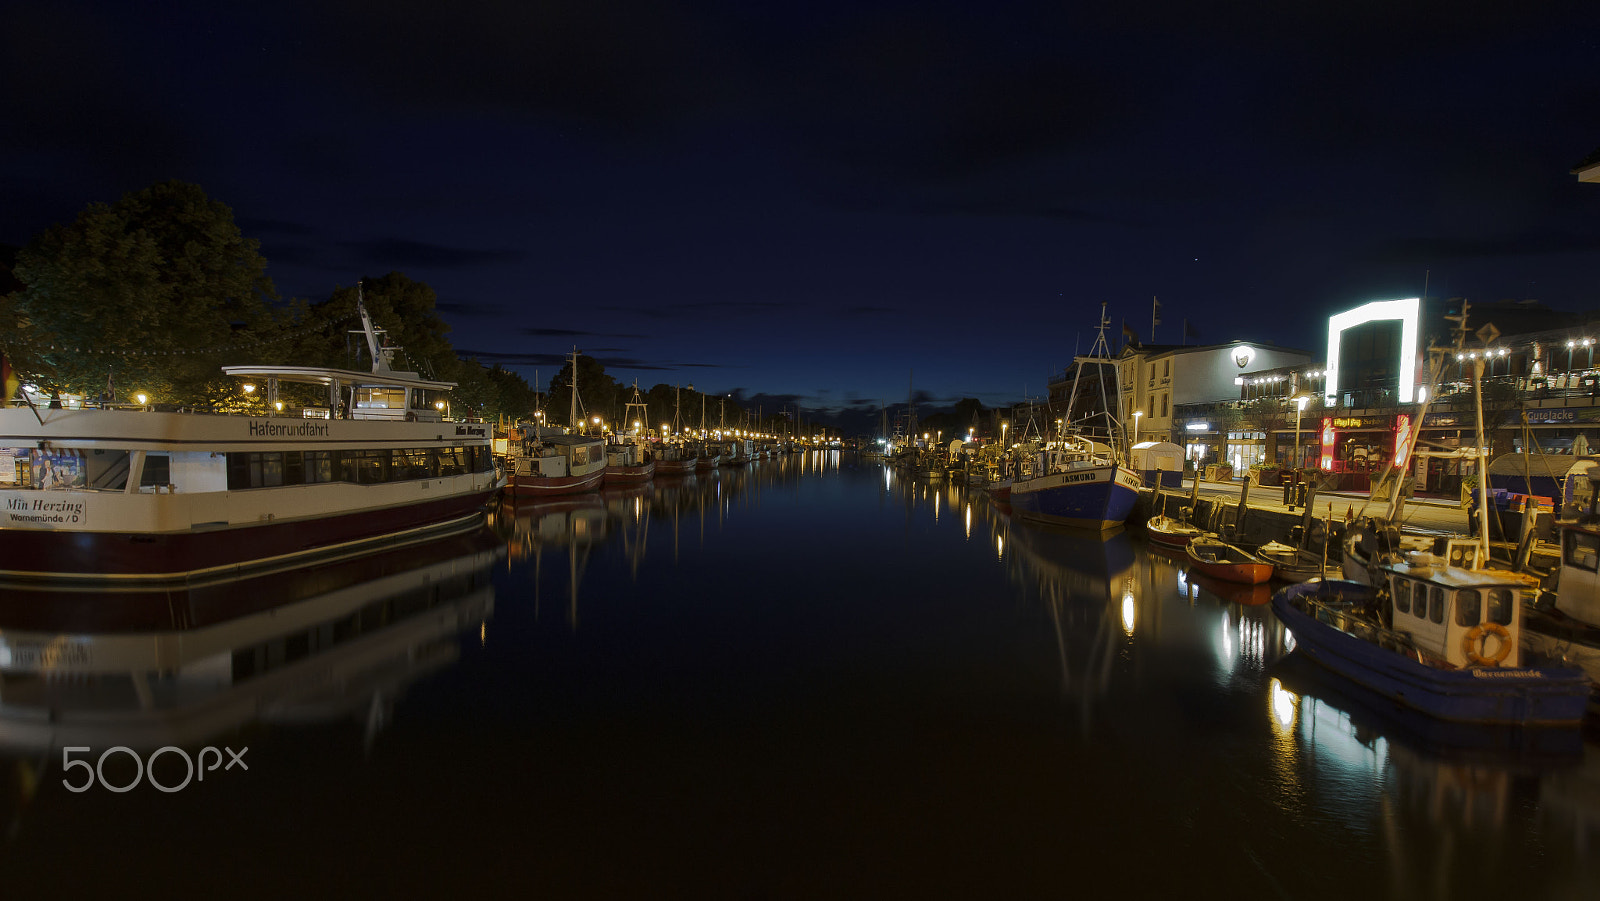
(1344, 614)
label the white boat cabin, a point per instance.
(1464, 616)
(1578, 591)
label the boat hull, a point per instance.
(630, 475)
(553, 486)
(674, 467)
(1096, 497)
(122, 556)
(1483, 695)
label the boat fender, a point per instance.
(1471, 642)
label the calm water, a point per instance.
(809, 678)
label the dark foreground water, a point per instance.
(809, 678)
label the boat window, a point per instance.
(1402, 595)
(407, 465)
(366, 467)
(318, 466)
(1469, 607)
(266, 469)
(452, 461)
(381, 399)
(157, 471)
(1436, 603)
(1502, 603)
(1582, 550)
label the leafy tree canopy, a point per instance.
(157, 290)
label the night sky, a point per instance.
(810, 201)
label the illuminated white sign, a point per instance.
(1243, 354)
(1198, 427)
(1407, 311)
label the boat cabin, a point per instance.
(1465, 617)
(353, 395)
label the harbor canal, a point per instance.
(807, 677)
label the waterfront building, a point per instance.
(1185, 394)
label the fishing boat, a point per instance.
(1075, 481)
(737, 452)
(707, 454)
(629, 458)
(1440, 639)
(1220, 560)
(546, 461)
(674, 456)
(108, 494)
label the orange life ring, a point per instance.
(1471, 642)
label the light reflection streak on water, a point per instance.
(969, 522)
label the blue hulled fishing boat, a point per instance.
(1075, 481)
(1439, 639)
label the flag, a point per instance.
(1190, 331)
(1129, 335)
(8, 379)
(1155, 312)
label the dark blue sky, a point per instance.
(817, 199)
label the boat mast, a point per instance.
(1100, 355)
(572, 417)
(644, 412)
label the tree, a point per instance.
(157, 290)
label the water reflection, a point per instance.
(340, 640)
(1439, 810)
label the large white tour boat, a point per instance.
(105, 494)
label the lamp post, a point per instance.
(1300, 401)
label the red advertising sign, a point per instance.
(1328, 442)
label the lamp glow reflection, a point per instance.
(1284, 704)
(1128, 613)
